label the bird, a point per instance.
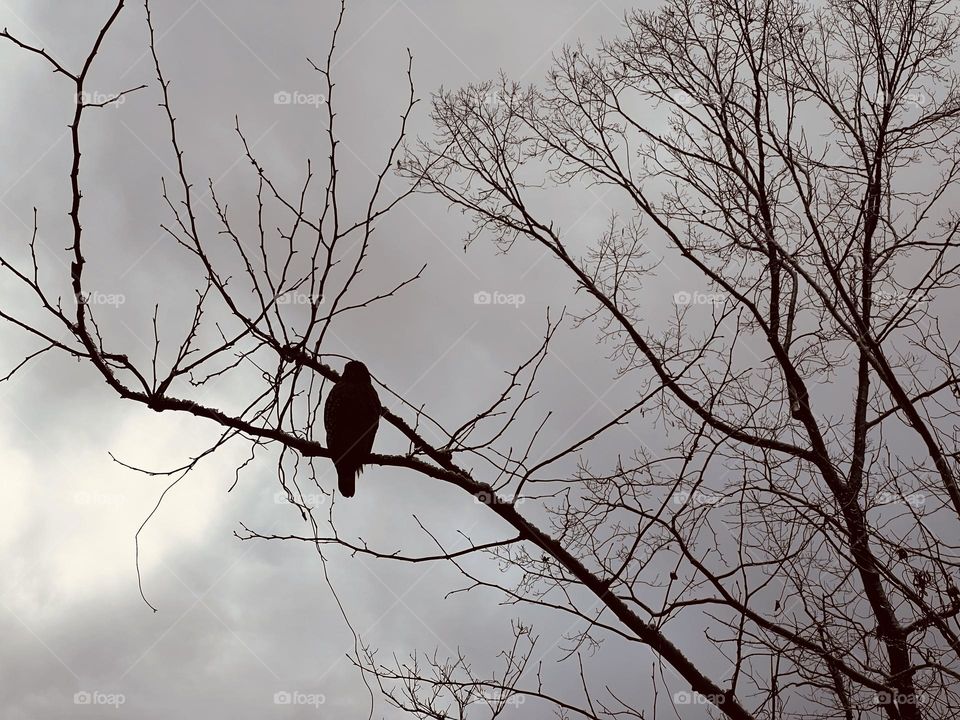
(350, 417)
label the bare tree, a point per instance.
(798, 164)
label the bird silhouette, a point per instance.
(351, 416)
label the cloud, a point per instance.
(240, 622)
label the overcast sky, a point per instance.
(240, 622)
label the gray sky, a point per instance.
(239, 622)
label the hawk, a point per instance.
(351, 416)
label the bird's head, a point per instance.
(356, 372)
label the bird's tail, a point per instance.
(347, 479)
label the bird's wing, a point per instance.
(336, 416)
(351, 416)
